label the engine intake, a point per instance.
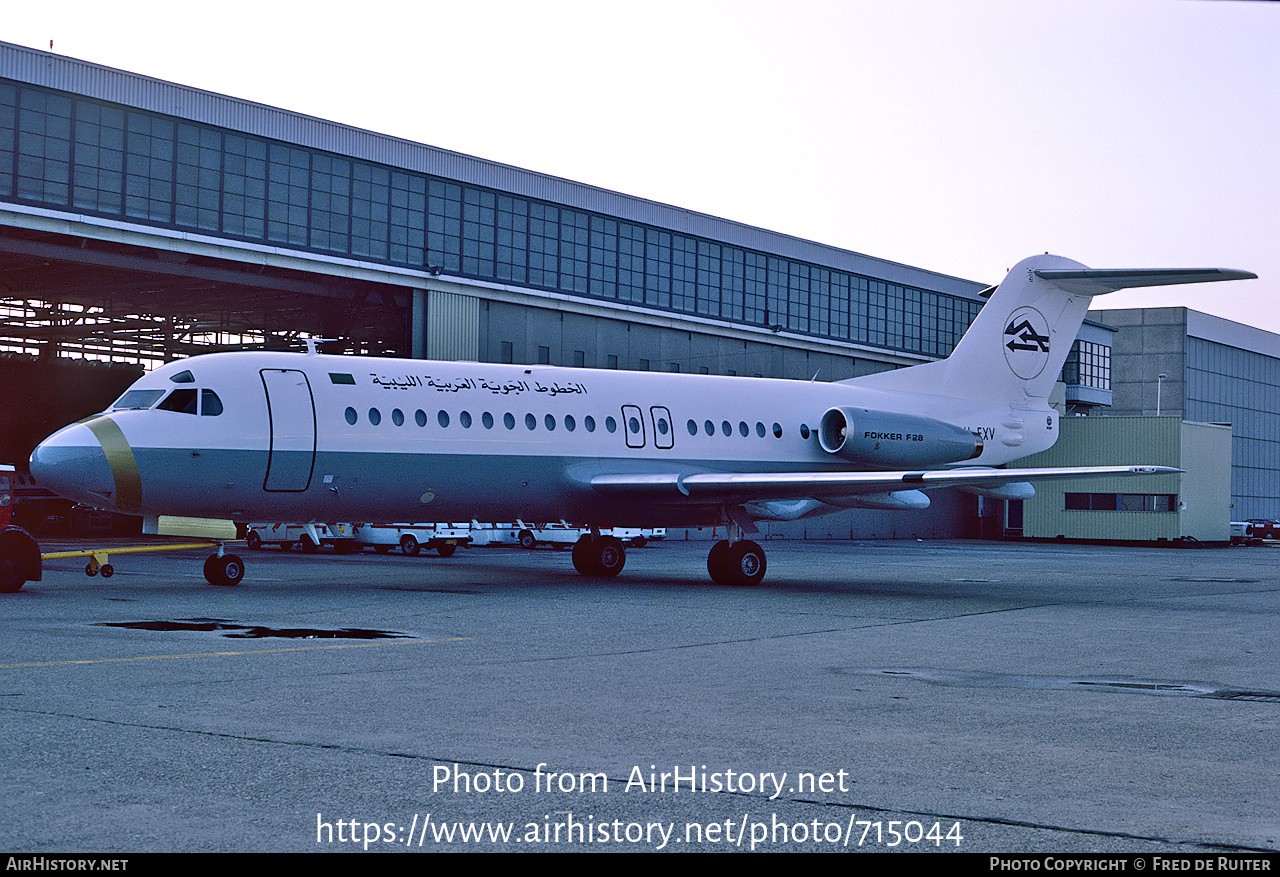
(888, 440)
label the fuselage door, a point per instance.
(664, 434)
(633, 425)
(292, 412)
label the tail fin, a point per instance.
(1015, 349)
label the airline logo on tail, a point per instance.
(1026, 347)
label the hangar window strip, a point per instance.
(1088, 365)
(66, 151)
(1121, 502)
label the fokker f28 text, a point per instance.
(306, 436)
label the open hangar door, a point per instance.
(82, 318)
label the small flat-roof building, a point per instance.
(1192, 505)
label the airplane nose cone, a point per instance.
(72, 462)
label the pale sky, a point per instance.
(955, 135)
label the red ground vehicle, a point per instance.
(1265, 528)
(19, 554)
(7, 480)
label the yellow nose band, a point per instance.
(124, 468)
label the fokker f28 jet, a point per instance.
(311, 437)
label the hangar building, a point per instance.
(142, 220)
(1197, 367)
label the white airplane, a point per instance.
(311, 437)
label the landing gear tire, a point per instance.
(583, 550)
(599, 556)
(738, 564)
(253, 540)
(225, 571)
(446, 550)
(611, 556)
(307, 546)
(715, 562)
(527, 539)
(409, 545)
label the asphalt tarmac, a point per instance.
(919, 696)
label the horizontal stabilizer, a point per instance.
(1013, 352)
(1096, 281)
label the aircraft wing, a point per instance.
(758, 486)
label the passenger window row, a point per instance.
(487, 420)
(567, 421)
(727, 428)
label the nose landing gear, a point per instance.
(223, 569)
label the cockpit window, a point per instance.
(183, 377)
(182, 401)
(136, 399)
(210, 404)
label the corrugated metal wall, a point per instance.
(1203, 492)
(453, 326)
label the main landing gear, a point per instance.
(736, 561)
(740, 563)
(596, 555)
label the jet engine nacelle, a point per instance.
(887, 440)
